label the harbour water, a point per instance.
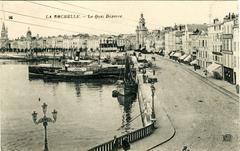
(87, 113)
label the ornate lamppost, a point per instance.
(45, 121)
(153, 94)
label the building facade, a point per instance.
(215, 32)
(236, 52)
(228, 67)
(203, 56)
(93, 43)
(170, 40)
(108, 44)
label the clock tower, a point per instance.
(141, 33)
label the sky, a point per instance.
(156, 13)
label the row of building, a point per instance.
(66, 42)
(213, 47)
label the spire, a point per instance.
(3, 27)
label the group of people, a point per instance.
(125, 144)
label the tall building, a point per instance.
(141, 33)
(187, 30)
(215, 32)
(203, 55)
(170, 40)
(29, 38)
(236, 52)
(228, 23)
(4, 42)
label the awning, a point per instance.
(188, 58)
(213, 67)
(194, 62)
(177, 54)
(183, 56)
(171, 54)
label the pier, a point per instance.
(145, 97)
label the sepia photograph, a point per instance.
(139, 75)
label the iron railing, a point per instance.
(132, 137)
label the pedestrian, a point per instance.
(206, 73)
(237, 88)
(115, 143)
(153, 72)
(125, 144)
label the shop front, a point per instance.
(228, 74)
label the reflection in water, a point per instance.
(54, 86)
(81, 124)
(126, 102)
(77, 88)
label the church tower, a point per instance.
(141, 33)
(4, 37)
(29, 38)
(29, 34)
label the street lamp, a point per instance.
(45, 121)
(153, 93)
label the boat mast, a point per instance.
(99, 53)
(54, 54)
(127, 69)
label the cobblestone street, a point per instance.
(201, 114)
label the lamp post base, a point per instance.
(153, 116)
(45, 149)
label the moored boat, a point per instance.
(39, 69)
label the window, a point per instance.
(227, 45)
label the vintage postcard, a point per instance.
(119, 75)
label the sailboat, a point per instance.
(129, 85)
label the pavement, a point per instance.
(164, 129)
(224, 85)
(201, 114)
(163, 132)
(220, 83)
(191, 113)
